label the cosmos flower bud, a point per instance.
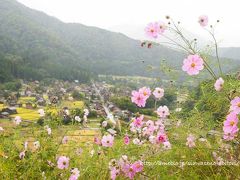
(143, 44)
(149, 45)
(167, 17)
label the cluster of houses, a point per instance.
(106, 91)
(37, 95)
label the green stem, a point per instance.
(209, 69)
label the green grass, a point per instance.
(72, 104)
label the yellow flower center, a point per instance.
(193, 65)
(232, 123)
(138, 166)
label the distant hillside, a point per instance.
(230, 52)
(34, 45)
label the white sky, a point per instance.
(110, 14)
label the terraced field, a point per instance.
(78, 137)
(27, 114)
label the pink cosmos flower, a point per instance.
(114, 173)
(136, 141)
(152, 139)
(159, 123)
(145, 91)
(79, 151)
(126, 140)
(167, 145)
(148, 130)
(203, 20)
(133, 128)
(161, 138)
(231, 121)
(1, 129)
(219, 161)
(219, 84)
(137, 166)
(190, 141)
(149, 123)
(75, 173)
(152, 30)
(107, 141)
(63, 162)
(138, 98)
(230, 133)
(73, 177)
(138, 121)
(161, 27)
(230, 126)
(22, 155)
(65, 140)
(97, 141)
(122, 161)
(17, 120)
(158, 93)
(193, 64)
(235, 105)
(129, 171)
(161, 128)
(163, 111)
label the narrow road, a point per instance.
(107, 111)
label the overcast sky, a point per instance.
(116, 14)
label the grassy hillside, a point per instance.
(203, 161)
(209, 105)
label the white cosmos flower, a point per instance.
(104, 124)
(36, 144)
(77, 118)
(17, 120)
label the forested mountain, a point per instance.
(34, 45)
